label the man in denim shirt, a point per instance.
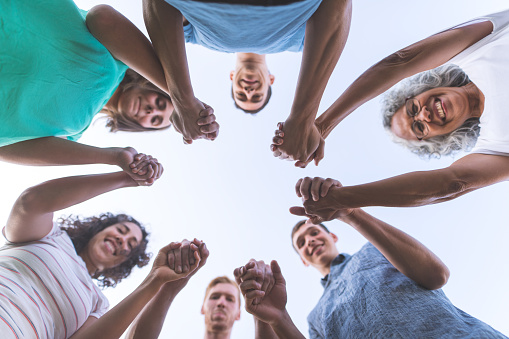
(389, 289)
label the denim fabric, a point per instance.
(366, 297)
(246, 28)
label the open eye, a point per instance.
(161, 103)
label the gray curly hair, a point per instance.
(463, 138)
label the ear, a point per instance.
(271, 79)
(335, 237)
(202, 309)
(232, 73)
(238, 315)
(304, 262)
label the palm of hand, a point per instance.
(300, 141)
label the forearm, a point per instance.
(406, 190)
(116, 321)
(164, 25)
(421, 56)
(263, 330)
(149, 322)
(326, 34)
(126, 43)
(408, 255)
(285, 328)
(57, 194)
(54, 151)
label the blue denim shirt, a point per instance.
(231, 28)
(366, 297)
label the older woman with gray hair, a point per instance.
(438, 112)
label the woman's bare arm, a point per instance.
(31, 216)
(421, 56)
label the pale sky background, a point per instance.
(235, 196)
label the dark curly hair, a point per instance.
(81, 230)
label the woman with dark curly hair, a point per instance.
(46, 267)
(439, 112)
(55, 76)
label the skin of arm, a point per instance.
(54, 151)
(326, 34)
(421, 56)
(263, 330)
(126, 43)
(149, 322)
(116, 321)
(405, 253)
(271, 310)
(31, 216)
(164, 26)
(408, 255)
(465, 175)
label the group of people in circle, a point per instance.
(60, 66)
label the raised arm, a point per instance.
(126, 43)
(54, 151)
(326, 34)
(271, 310)
(115, 322)
(149, 322)
(408, 255)
(164, 25)
(31, 216)
(421, 56)
(467, 174)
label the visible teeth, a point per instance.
(110, 247)
(440, 110)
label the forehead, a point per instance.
(401, 124)
(305, 228)
(224, 288)
(132, 228)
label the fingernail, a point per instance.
(179, 269)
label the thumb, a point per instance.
(187, 141)
(320, 152)
(276, 271)
(297, 210)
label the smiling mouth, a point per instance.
(136, 107)
(440, 109)
(316, 249)
(110, 246)
(250, 82)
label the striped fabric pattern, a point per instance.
(45, 289)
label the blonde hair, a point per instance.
(117, 121)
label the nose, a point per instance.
(122, 244)
(221, 302)
(423, 115)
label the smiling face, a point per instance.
(149, 108)
(315, 246)
(442, 110)
(221, 307)
(111, 246)
(250, 85)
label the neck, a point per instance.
(324, 270)
(113, 101)
(217, 335)
(244, 58)
(90, 267)
(475, 99)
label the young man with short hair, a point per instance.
(390, 288)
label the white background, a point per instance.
(235, 196)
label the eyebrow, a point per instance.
(128, 230)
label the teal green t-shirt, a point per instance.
(54, 75)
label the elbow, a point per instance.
(437, 279)
(29, 201)
(100, 19)
(454, 188)
(399, 58)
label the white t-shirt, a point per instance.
(487, 64)
(45, 289)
